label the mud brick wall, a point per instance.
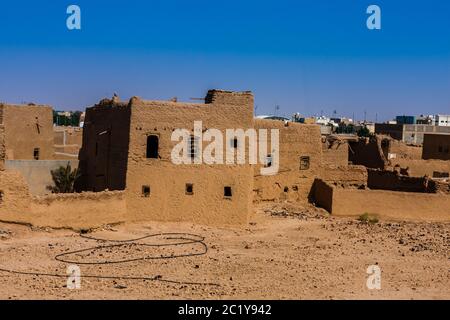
(291, 182)
(27, 127)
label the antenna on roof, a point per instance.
(277, 107)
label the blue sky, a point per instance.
(305, 56)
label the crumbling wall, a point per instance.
(436, 146)
(400, 150)
(221, 97)
(292, 181)
(322, 195)
(388, 205)
(166, 184)
(392, 205)
(420, 168)
(335, 153)
(37, 174)
(74, 211)
(104, 153)
(78, 211)
(14, 195)
(368, 152)
(349, 176)
(27, 128)
(440, 187)
(392, 180)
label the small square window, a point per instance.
(304, 163)
(189, 189)
(36, 153)
(146, 191)
(227, 193)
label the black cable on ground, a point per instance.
(156, 278)
(181, 239)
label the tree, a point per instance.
(364, 132)
(62, 120)
(64, 179)
(75, 119)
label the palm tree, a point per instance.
(64, 179)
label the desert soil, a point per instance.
(287, 252)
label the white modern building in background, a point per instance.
(442, 120)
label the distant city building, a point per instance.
(443, 120)
(410, 134)
(406, 119)
(429, 119)
(67, 118)
(432, 120)
(82, 116)
(370, 126)
(322, 120)
(326, 130)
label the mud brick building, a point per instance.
(127, 146)
(26, 132)
(436, 146)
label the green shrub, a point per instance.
(64, 179)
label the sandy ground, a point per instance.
(287, 252)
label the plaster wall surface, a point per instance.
(78, 211)
(392, 205)
(37, 174)
(387, 205)
(168, 199)
(104, 153)
(368, 152)
(436, 146)
(293, 181)
(335, 154)
(14, 195)
(351, 175)
(72, 211)
(420, 168)
(27, 128)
